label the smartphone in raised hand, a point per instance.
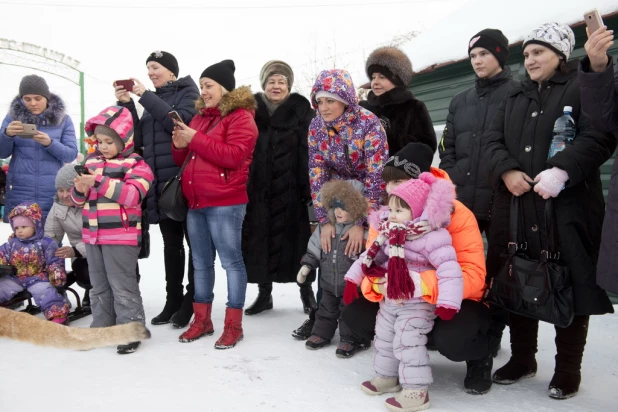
(593, 20)
(127, 84)
(82, 170)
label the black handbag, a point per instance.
(171, 200)
(539, 289)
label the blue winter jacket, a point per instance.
(33, 167)
(153, 133)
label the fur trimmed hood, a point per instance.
(239, 98)
(347, 192)
(54, 114)
(393, 59)
(440, 203)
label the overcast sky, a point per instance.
(112, 39)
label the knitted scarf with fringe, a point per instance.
(400, 285)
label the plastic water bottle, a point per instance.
(564, 132)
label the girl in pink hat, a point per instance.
(413, 238)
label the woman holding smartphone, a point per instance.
(153, 138)
(517, 148)
(37, 157)
(217, 147)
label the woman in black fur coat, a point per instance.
(404, 118)
(276, 227)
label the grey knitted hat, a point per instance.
(108, 131)
(33, 84)
(556, 36)
(276, 67)
(65, 176)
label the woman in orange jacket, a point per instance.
(467, 337)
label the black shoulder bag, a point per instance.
(171, 200)
(539, 289)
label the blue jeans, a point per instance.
(218, 229)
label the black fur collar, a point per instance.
(288, 114)
(398, 95)
(54, 114)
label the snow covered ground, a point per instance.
(267, 371)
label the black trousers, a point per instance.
(174, 234)
(328, 317)
(465, 337)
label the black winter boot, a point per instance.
(524, 333)
(128, 348)
(478, 376)
(86, 300)
(171, 307)
(182, 317)
(570, 344)
(304, 331)
(316, 342)
(264, 300)
(349, 347)
(307, 297)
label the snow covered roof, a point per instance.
(448, 40)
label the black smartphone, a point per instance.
(82, 170)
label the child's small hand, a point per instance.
(301, 277)
(87, 181)
(79, 186)
(57, 279)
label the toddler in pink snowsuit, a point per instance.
(412, 239)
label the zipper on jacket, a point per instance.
(335, 249)
(478, 159)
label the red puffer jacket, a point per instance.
(218, 170)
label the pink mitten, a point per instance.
(550, 182)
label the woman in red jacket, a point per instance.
(219, 142)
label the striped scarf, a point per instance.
(400, 285)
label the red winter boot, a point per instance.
(201, 325)
(232, 331)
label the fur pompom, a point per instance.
(440, 203)
(427, 178)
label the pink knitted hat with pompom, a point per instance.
(415, 192)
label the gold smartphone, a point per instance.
(593, 20)
(29, 131)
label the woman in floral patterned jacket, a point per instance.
(345, 142)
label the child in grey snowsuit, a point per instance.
(346, 206)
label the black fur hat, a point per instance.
(392, 63)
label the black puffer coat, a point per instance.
(519, 139)
(600, 105)
(153, 133)
(405, 119)
(469, 115)
(276, 227)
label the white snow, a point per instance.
(268, 370)
(448, 40)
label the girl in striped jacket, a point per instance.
(111, 193)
